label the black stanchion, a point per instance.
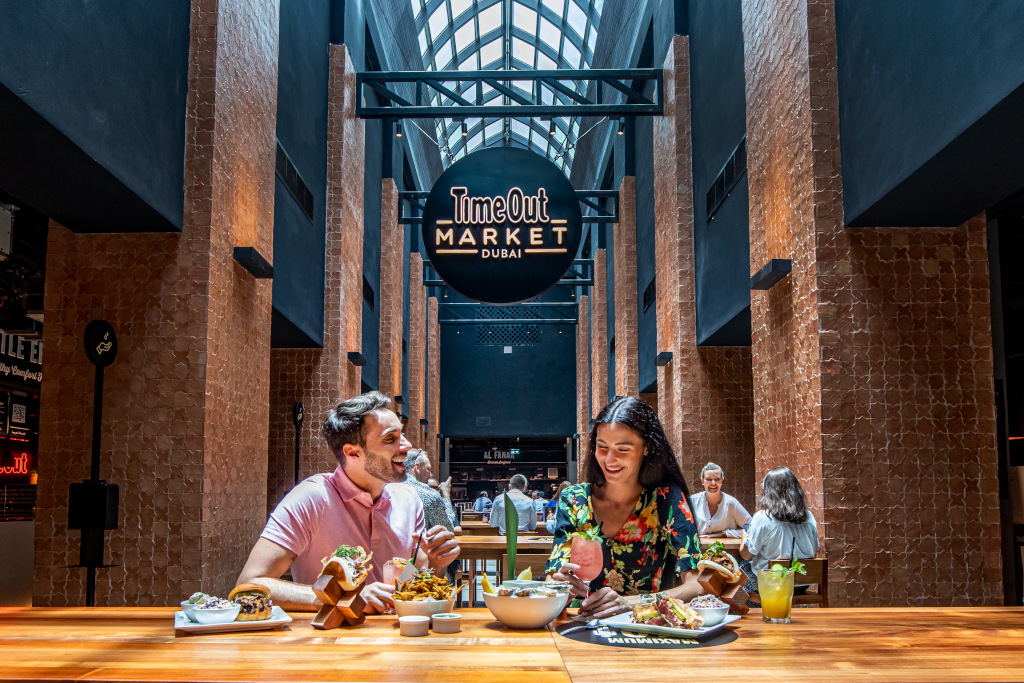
(297, 416)
(93, 503)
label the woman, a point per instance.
(782, 523)
(718, 513)
(552, 506)
(636, 500)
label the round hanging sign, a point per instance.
(502, 225)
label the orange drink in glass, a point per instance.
(776, 589)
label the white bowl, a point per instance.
(413, 625)
(220, 615)
(446, 622)
(423, 608)
(187, 608)
(528, 612)
(713, 616)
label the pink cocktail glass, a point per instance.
(586, 553)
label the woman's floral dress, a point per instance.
(659, 532)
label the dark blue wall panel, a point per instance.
(915, 78)
(304, 66)
(529, 392)
(107, 84)
(718, 107)
(647, 321)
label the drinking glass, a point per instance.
(587, 554)
(391, 573)
(776, 591)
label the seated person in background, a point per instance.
(523, 503)
(482, 502)
(718, 513)
(538, 501)
(549, 523)
(635, 499)
(782, 519)
(553, 503)
(437, 505)
(351, 506)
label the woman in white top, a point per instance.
(783, 522)
(718, 513)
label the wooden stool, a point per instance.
(340, 606)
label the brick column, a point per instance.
(705, 395)
(873, 358)
(599, 334)
(185, 403)
(583, 381)
(320, 378)
(417, 399)
(391, 293)
(627, 364)
(433, 382)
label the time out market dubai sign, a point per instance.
(502, 225)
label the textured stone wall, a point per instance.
(391, 293)
(433, 382)
(320, 378)
(705, 395)
(186, 406)
(627, 368)
(417, 351)
(583, 382)
(599, 334)
(872, 360)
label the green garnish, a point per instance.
(714, 549)
(591, 534)
(345, 551)
(795, 565)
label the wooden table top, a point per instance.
(839, 645)
(731, 544)
(522, 542)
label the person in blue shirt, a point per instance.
(482, 503)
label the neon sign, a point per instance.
(20, 466)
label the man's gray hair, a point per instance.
(712, 466)
(411, 457)
(518, 481)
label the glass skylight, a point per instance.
(508, 35)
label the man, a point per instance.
(482, 503)
(522, 503)
(437, 505)
(538, 501)
(350, 507)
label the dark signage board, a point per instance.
(502, 225)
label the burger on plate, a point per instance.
(254, 599)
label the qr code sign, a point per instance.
(18, 413)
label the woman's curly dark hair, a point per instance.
(659, 466)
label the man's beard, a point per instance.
(380, 467)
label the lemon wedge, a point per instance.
(488, 588)
(526, 575)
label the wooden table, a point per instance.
(830, 645)
(478, 528)
(732, 545)
(483, 548)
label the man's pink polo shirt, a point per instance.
(328, 510)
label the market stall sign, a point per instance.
(502, 225)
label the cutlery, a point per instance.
(592, 624)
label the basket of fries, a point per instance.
(424, 595)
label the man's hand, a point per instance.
(440, 546)
(377, 597)
(445, 487)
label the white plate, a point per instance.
(624, 622)
(278, 618)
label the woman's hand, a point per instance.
(604, 603)
(567, 573)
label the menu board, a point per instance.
(17, 502)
